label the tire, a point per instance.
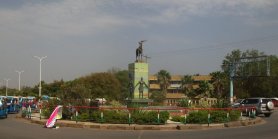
(267, 114)
(270, 105)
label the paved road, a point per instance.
(12, 128)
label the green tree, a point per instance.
(123, 78)
(247, 82)
(157, 97)
(205, 89)
(104, 85)
(220, 81)
(164, 78)
(187, 84)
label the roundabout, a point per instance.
(13, 127)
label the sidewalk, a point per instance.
(169, 126)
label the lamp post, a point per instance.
(40, 59)
(7, 84)
(19, 74)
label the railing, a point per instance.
(178, 111)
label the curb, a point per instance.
(73, 124)
(249, 122)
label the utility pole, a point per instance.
(19, 75)
(7, 85)
(245, 62)
(40, 59)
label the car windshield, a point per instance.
(251, 101)
(238, 101)
(265, 100)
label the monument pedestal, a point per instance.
(134, 103)
(139, 80)
(138, 71)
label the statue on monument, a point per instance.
(130, 86)
(141, 84)
(139, 51)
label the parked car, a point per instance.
(263, 105)
(101, 101)
(236, 104)
(3, 109)
(12, 105)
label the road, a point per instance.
(12, 128)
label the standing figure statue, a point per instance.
(139, 51)
(130, 86)
(141, 84)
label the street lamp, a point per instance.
(40, 58)
(7, 84)
(19, 74)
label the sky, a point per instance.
(80, 37)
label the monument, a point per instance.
(139, 79)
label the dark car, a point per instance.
(263, 105)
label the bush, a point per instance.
(178, 119)
(49, 106)
(218, 116)
(234, 115)
(184, 103)
(197, 117)
(221, 103)
(201, 117)
(137, 117)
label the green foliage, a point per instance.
(205, 89)
(158, 97)
(234, 115)
(187, 82)
(218, 116)
(249, 86)
(203, 103)
(121, 117)
(220, 83)
(184, 103)
(201, 117)
(150, 117)
(164, 78)
(49, 106)
(178, 119)
(221, 103)
(103, 85)
(122, 77)
(197, 117)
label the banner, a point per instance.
(56, 114)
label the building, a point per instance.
(174, 92)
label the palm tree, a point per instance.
(218, 81)
(187, 82)
(205, 89)
(164, 78)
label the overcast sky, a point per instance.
(84, 36)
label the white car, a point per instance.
(101, 100)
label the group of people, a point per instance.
(26, 103)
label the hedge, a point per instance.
(201, 117)
(122, 117)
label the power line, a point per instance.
(242, 43)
